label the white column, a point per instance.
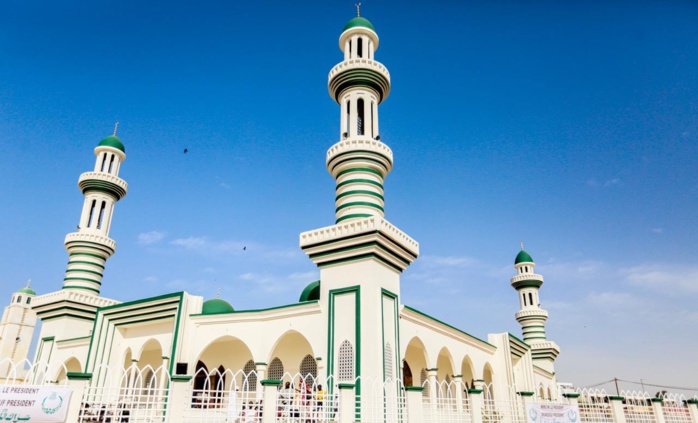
(433, 386)
(617, 408)
(476, 404)
(78, 383)
(271, 388)
(261, 369)
(692, 405)
(415, 405)
(347, 403)
(658, 410)
(458, 383)
(353, 113)
(178, 401)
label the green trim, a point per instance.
(359, 192)
(359, 181)
(180, 378)
(654, 399)
(75, 339)
(154, 319)
(616, 398)
(118, 320)
(334, 163)
(528, 283)
(89, 255)
(345, 385)
(525, 393)
(56, 316)
(145, 300)
(175, 338)
(435, 369)
(79, 376)
(310, 292)
(271, 382)
(83, 280)
(571, 395)
(83, 270)
(357, 247)
(258, 310)
(356, 291)
(359, 204)
(359, 77)
(517, 339)
(85, 262)
(692, 401)
(80, 287)
(105, 187)
(359, 22)
(79, 243)
(261, 363)
(414, 388)
(360, 169)
(474, 391)
(114, 142)
(447, 325)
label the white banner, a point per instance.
(35, 404)
(552, 413)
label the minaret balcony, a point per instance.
(527, 280)
(361, 144)
(103, 182)
(92, 238)
(359, 72)
(537, 312)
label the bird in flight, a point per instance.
(186, 150)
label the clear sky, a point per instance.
(572, 126)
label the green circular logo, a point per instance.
(52, 403)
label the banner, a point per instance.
(552, 413)
(35, 404)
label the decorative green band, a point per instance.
(79, 376)
(361, 77)
(525, 393)
(345, 385)
(359, 204)
(359, 192)
(87, 254)
(360, 153)
(357, 247)
(85, 262)
(83, 270)
(80, 287)
(359, 181)
(657, 400)
(271, 382)
(361, 257)
(353, 216)
(83, 280)
(106, 187)
(414, 388)
(692, 401)
(571, 395)
(180, 378)
(360, 160)
(360, 169)
(474, 391)
(528, 283)
(616, 398)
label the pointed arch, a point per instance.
(290, 348)
(276, 369)
(444, 362)
(416, 358)
(466, 370)
(488, 378)
(71, 365)
(308, 369)
(227, 351)
(346, 360)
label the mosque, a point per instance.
(349, 324)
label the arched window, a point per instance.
(104, 161)
(250, 375)
(92, 212)
(101, 214)
(373, 122)
(29, 300)
(276, 369)
(309, 369)
(524, 298)
(541, 393)
(149, 383)
(388, 362)
(425, 382)
(360, 48)
(111, 164)
(19, 298)
(200, 376)
(346, 361)
(530, 298)
(346, 129)
(360, 117)
(406, 374)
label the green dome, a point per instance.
(112, 141)
(216, 306)
(26, 290)
(523, 257)
(311, 292)
(359, 21)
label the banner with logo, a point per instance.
(35, 404)
(552, 413)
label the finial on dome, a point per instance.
(218, 294)
(29, 282)
(358, 9)
(521, 245)
(116, 126)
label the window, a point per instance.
(276, 369)
(92, 211)
(388, 362)
(309, 369)
(101, 214)
(111, 163)
(360, 117)
(29, 300)
(360, 48)
(19, 298)
(346, 129)
(250, 375)
(104, 161)
(530, 299)
(346, 361)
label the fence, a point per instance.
(140, 395)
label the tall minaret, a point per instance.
(90, 247)
(16, 331)
(531, 317)
(359, 162)
(362, 255)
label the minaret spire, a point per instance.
(358, 9)
(90, 247)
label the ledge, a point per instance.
(271, 382)
(345, 386)
(571, 395)
(79, 376)
(180, 378)
(414, 388)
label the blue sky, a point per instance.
(569, 125)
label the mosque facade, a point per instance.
(349, 324)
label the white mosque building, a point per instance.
(349, 324)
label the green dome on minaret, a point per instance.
(27, 289)
(112, 141)
(523, 257)
(359, 21)
(216, 306)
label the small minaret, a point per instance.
(16, 331)
(90, 247)
(531, 316)
(359, 162)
